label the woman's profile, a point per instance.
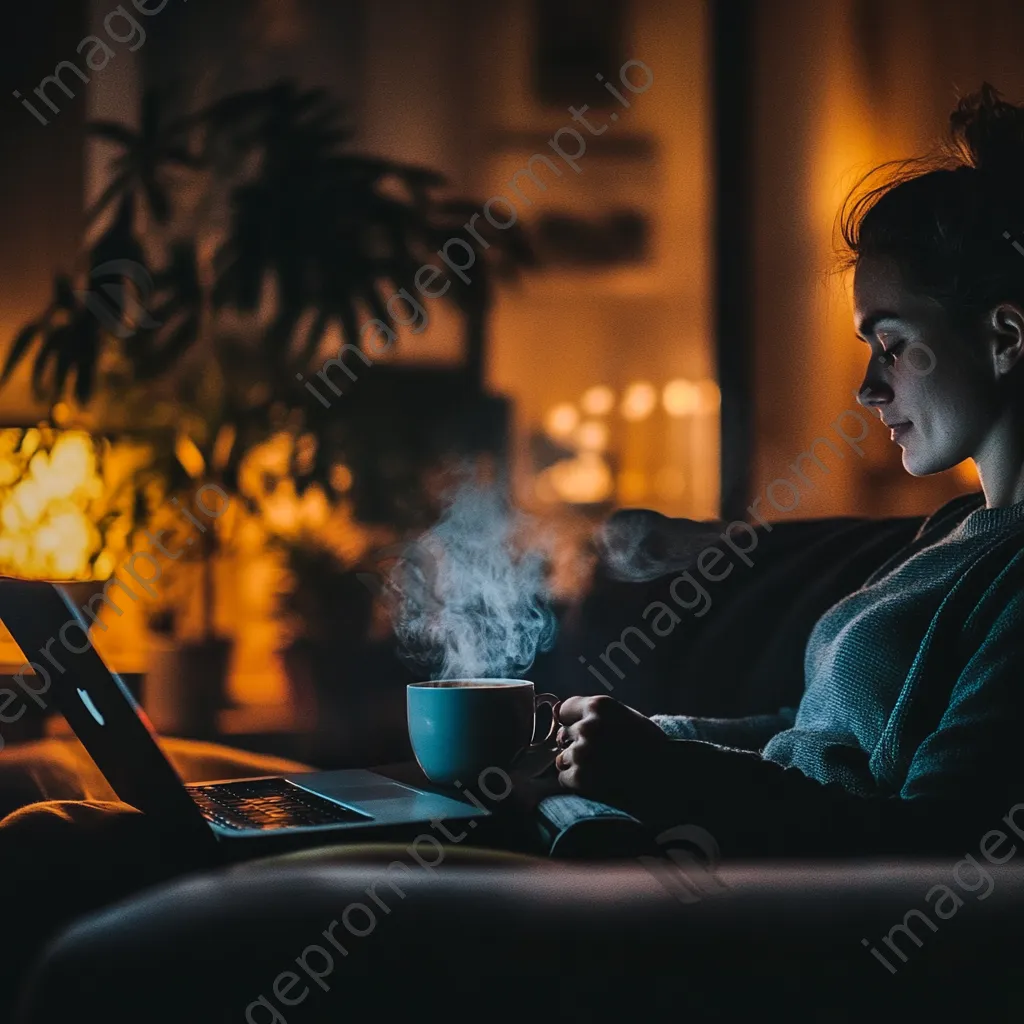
(908, 735)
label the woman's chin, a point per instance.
(917, 464)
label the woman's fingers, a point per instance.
(567, 734)
(564, 758)
(568, 769)
(572, 709)
(573, 755)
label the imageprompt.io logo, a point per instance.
(121, 313)
(416, 580)
(687, 867)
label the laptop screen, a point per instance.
(54, 638)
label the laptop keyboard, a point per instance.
(268, 804)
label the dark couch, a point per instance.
(744, 656)
(544, 940)
(493, 936)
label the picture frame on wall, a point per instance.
(574, 41)
(600, 226)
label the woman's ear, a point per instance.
(1006, 322)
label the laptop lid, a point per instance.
(54, 638)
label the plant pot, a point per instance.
(186, 686)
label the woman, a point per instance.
(910, 733)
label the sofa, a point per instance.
(486, 933)
(553, 940)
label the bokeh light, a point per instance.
(583, 480)
(639, 401)
(188, 454)
(592, 436)
(710, 395)
(562, 420)
(341, 478)
(681, 397)
(598, 400)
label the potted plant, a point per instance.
(227, 245)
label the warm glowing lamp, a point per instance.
(56, 512)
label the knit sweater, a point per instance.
(913, 691)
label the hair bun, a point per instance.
(988, 133)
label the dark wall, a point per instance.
(41, 169)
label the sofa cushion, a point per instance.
(71, 846)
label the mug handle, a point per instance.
(552, 701)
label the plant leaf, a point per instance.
(110, 193)
(20, 346)
(113, 131)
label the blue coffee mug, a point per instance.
(459, 727)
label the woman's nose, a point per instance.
(874, 391)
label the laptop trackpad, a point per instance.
(359, 794)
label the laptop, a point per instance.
(236, 818)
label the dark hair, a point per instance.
(945, 218)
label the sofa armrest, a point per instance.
(274, 943)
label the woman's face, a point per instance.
(932, 386)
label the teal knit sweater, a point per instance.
(914, 691)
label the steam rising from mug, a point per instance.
(638, 545)
(468, 600)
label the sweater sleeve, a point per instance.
(976, 747)
(964, 779)
(749, 733)
(758, 808)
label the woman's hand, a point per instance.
(612, 753)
